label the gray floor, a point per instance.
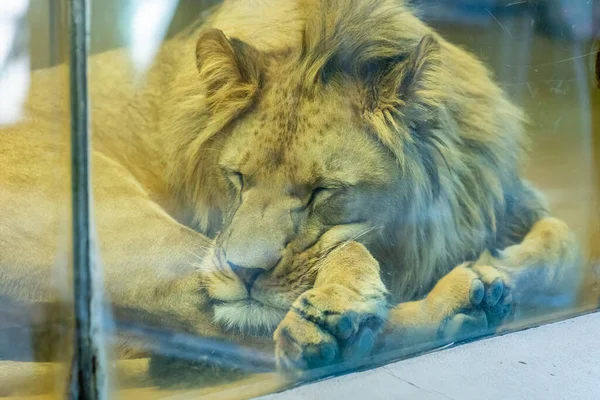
(557, 361)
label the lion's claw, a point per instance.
(477, 292)
(344, 325)
(494, 292)
(498, 300)
(359, 345)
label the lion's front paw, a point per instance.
(472, 300)
(497, 302)
(327, 325)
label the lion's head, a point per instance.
(373, 129)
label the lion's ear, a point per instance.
(402, 93)
(230, 71)
(403, 82)
(418, 71)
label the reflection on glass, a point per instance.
(35, 234)
(149, 24)
(286, 190)
(14, 61)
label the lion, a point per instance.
(327, 178)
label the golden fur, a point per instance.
(342, 172)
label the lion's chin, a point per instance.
(248, 316)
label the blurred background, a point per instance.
(562, 20)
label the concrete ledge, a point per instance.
(556, 361)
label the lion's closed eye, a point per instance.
(236, 178)
(319, 193)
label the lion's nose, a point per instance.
(249, 254)
(246, 275)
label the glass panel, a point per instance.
(35, 197)
(285, 190)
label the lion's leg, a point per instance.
(454, 309)
(147, 257)
(339, 318)
(543, 271)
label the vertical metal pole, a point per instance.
(594, 245)
(55, 14)
(597, 64)
(88, 375)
